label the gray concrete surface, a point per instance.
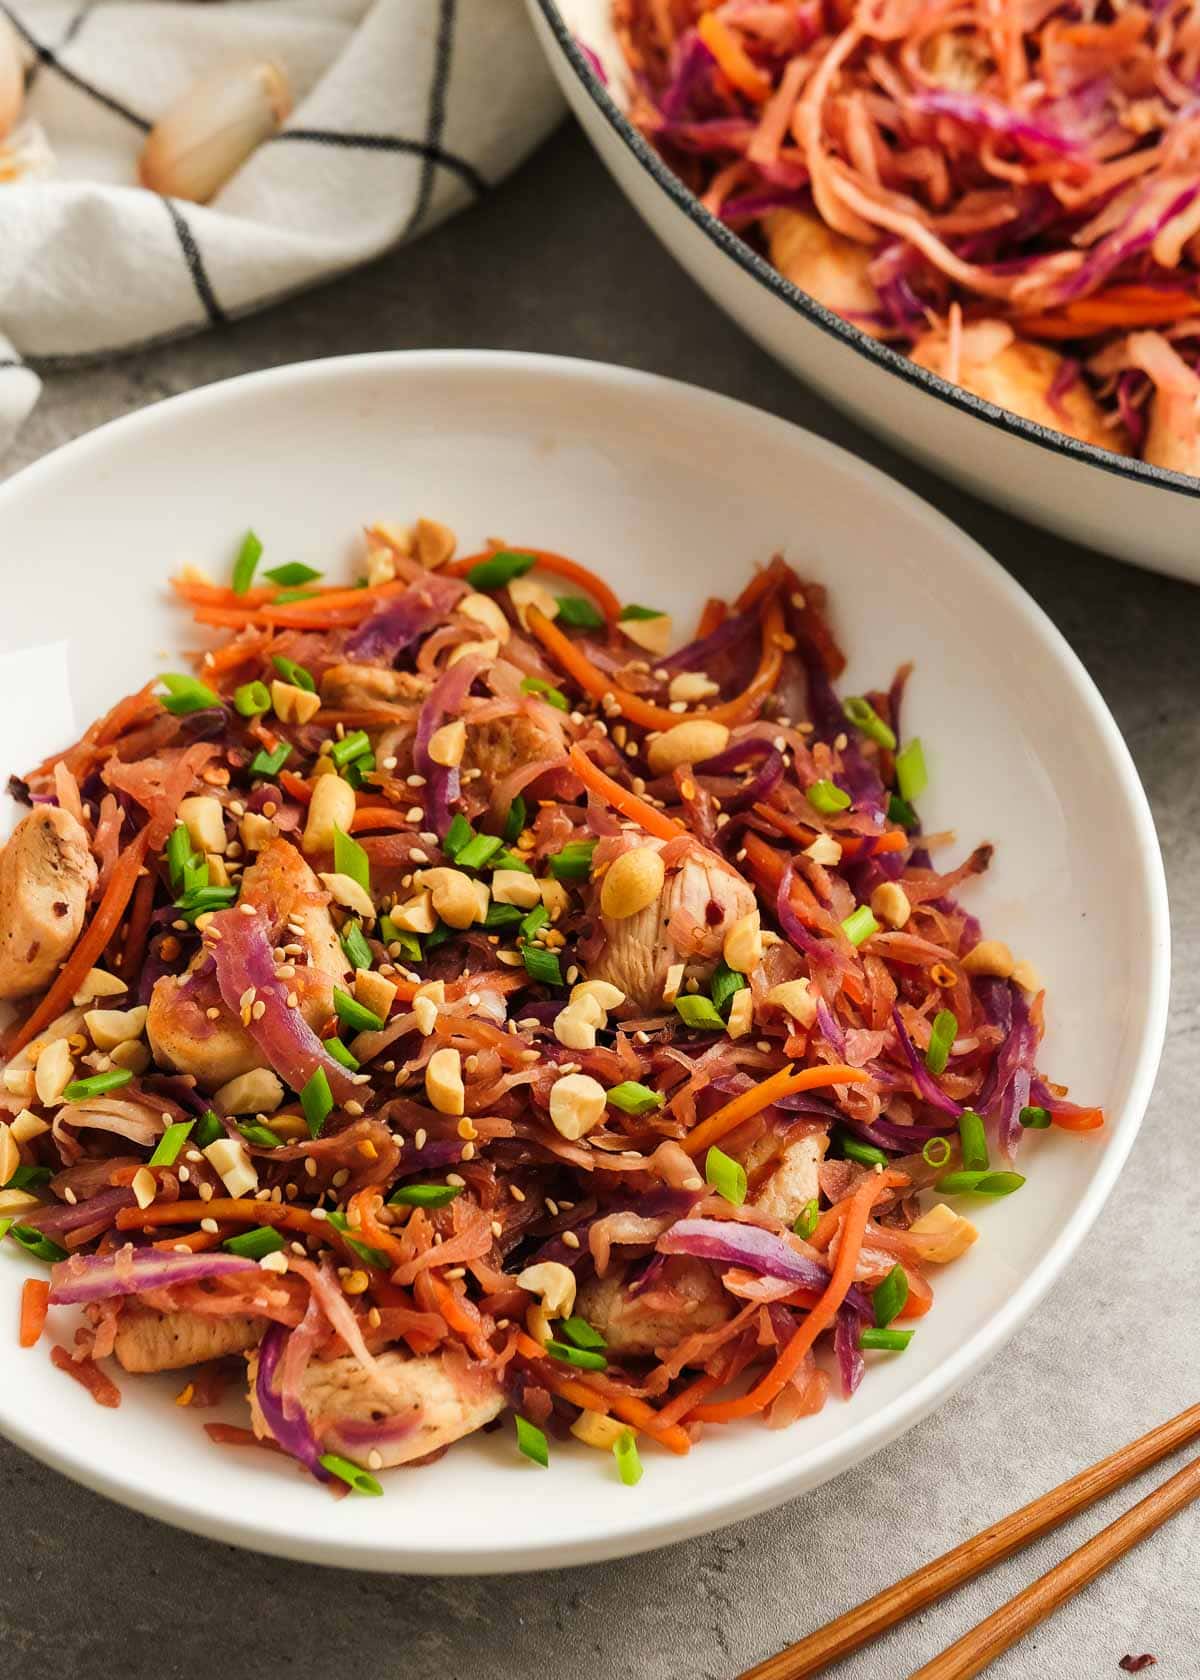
(556, 261)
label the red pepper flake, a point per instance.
(89, 1375)
(1135, 1665)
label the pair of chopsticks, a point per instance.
(971, 1654)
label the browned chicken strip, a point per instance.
(46, 874)
(154, 1341)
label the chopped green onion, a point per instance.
(632, 1098)
(629, 1465)
(1034, 1119)
(975, 1157)
(912, 777)
(262, 1137)
(478, 849)
(727, 1176)
(33, 1242)
(208, 1129)
(937, 1152)
(340, 1053)
(294, 572)
(504, 859)
(535, 921)
(979, 1183)
(866, 1154)
(252, 699)
(827, 797)
(514, 822)
(633, 611)
(582, 1358)
(579, 1331)
(27, 1178)
(185, 694)
(500, 568)
(350, 746)
(297, 675)
(696, 1011)
(355, 1477)
(368, 1255)
(890, 1297)
(553, 696)
(286, 595)
(441, 933)
(409, 943)
(726, 982)
(888, 1341)
(532, 1441)
(255, 1244)
(900, 811)
(178, 851)
(942, 1035)
(270, 764)
(502, 915)
(542, 966)
(95, 1085)
(166, 1151)
(350, 859)
(195, 875)
(316, 1099)
(355, 1015)
(807, 1219)
(6, 1226)
(248, 557)
(860, 924)
(457, 835)
(574, 862)
(354, 943)
(866, 719)
(578, 613)
(195, 904)
(424, 1195)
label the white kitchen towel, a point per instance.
(403, 112)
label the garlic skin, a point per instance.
(12, 78)
(210, 131)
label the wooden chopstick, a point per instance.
(971, 1654)
(933, 1580)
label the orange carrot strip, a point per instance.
(239, 1210)
(626, 1407)
(295, 786)
(621, 799)
(1079, 1119)
(820, 1318)
(714, 615)
(134, 948)
(733, 59)
(89, 1375)
(572, 659)
(780, 1084)
(762, 583)
(88, 947)
(35, 1302)
(377, 816)
(548, 561)
(197, 1241)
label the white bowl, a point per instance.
(672, 493)
(1121, 506)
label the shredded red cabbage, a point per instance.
(292, 1432)
(131, 1271)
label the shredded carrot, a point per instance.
(1078, 1119)
(241, 1210)
(820, 1318)
(197, 1241)
(88, 947)
(35, 1303)
(378, 816)
(762, 583)
(361, 1211)
(621, 799)
(233, 1435)
(133, 950)
(572, 659)
(714, 615)
(782, 1083)
(733, 59)
(89, 1375)
(627, 1407)
(548, 561)
(295, 786)
(1120, 306)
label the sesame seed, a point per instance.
(185, 1176)
(517, 1194)
(420, 1137)
(419, 856)
(310, 1166)
(415, 814)
(340, 1177)
(210, 1225)
(570, 1239)
(456, 1179)
(414, 781)
(248, 909)
(389, 763)
(497, 1228)
(455, 1272)
(70, 1195)
(319, 1213)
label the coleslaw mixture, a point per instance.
(1008, 192)
(450, 1002)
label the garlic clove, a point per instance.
(12, 78)
(210, 131)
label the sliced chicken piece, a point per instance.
(702, 897)
(686, 1296)
(183, 1033)
(794, 1182)
(349, 686)
(422, 1404)
(155, 1341)
(46, 874)
(1016, 374)
(502, 745)
(1173, 436)
(825, 264)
